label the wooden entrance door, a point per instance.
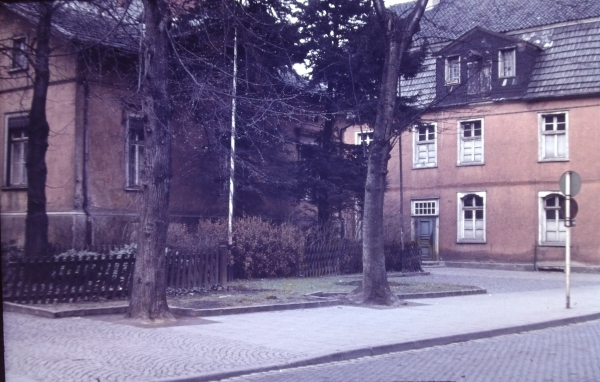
(425, 236)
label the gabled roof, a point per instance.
(79, 22)
(452, 18)
(568, 65)
(479, 31)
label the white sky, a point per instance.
(392, 2)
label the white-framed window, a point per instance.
(425, 146)
(18, 59)
(453, 70)
(471, 217)
(470, 142)
(365, 136)
(551, 218)
(507, 63)
(428, 207)
(135, 151)
(16, 150)
(553, 136)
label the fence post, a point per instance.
(223, 265)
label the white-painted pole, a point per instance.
(568, 237)
(232, 154)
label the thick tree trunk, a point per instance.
(148, 295)
(398, 34)
(323, 204)
(36, 223)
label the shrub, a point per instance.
(264, 249)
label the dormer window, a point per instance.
(506, 63)
(453, 70)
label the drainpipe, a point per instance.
(86, 159)
(401, 193)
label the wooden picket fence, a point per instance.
(88, 277)
(188, 270)
(345, 257)
(53, 279)
(323, 258)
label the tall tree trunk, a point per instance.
(398, 34)
(148, 295)
(36, 223)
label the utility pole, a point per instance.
(232, 154)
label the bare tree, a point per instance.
(36, 223)
(148, 295)
(398, 34)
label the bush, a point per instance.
(264, 249)
(261, 248)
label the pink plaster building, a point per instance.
(511, 103)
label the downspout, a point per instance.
(401, 192)
(86, 160)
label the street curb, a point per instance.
(386, 349)
(41, 312)
(37, 310)
(190, 312)
(406, 296)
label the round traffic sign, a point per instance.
(574, 209)
(575, 183)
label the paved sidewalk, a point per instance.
(106, 349)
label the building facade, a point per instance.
(507, 112)
(96, 142)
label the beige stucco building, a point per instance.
(96, 141)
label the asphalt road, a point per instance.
(567, 354)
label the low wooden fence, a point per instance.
(53, 279)
(87, 277)
(345, 257)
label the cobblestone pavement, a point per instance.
(568, 354)
(85, 349)
(500, 281)
(76, 349)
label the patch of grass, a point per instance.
(288, 290)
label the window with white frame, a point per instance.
(554, 144)
(135, 151)
(424, 207)
(552, 219)
(470, 148)
(19, 59)
(471, 217)
(16, 151)
(453, 70)
(425, 146)
(365, 137)
(506, 63)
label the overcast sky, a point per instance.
(392, 2)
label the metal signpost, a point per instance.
(570, 184)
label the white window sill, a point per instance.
(465, 241)
(15, 188)
(133, 189)
(543, 160)
(453, 83)
(552, 244)
(465, 164)
(417, 167)
(16, 70)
